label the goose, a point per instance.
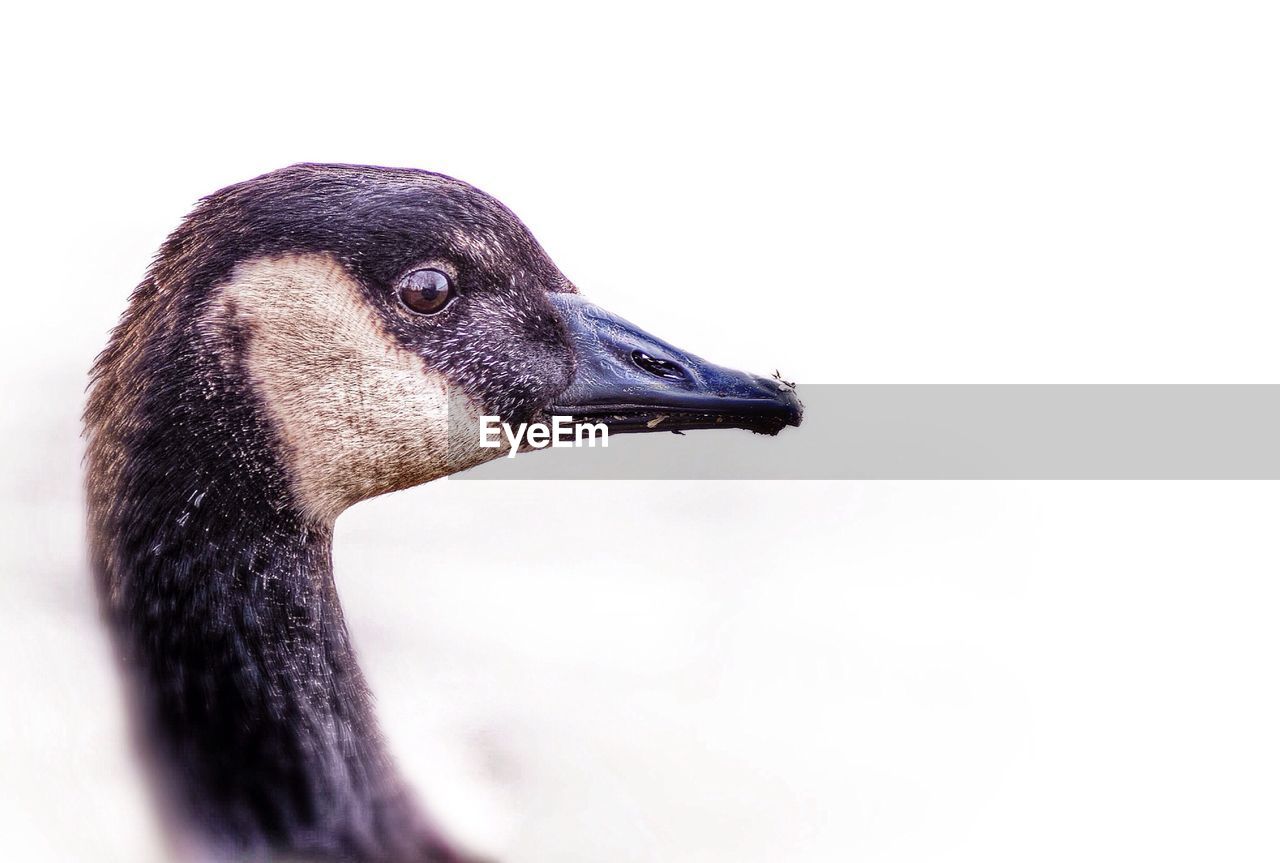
(303, 341)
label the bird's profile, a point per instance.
(303, 341)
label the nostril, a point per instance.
(659, 368)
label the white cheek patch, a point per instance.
(357, 414)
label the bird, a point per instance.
(305, 340)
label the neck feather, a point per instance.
(220, 595)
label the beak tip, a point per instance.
(797, 414)
(786, 401)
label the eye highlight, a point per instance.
(425, 291)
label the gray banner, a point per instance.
(958, 432)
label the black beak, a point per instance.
(634, 382)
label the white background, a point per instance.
(896, 192)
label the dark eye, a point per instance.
(425, 291)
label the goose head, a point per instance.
(303, 341)
(377, 315)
